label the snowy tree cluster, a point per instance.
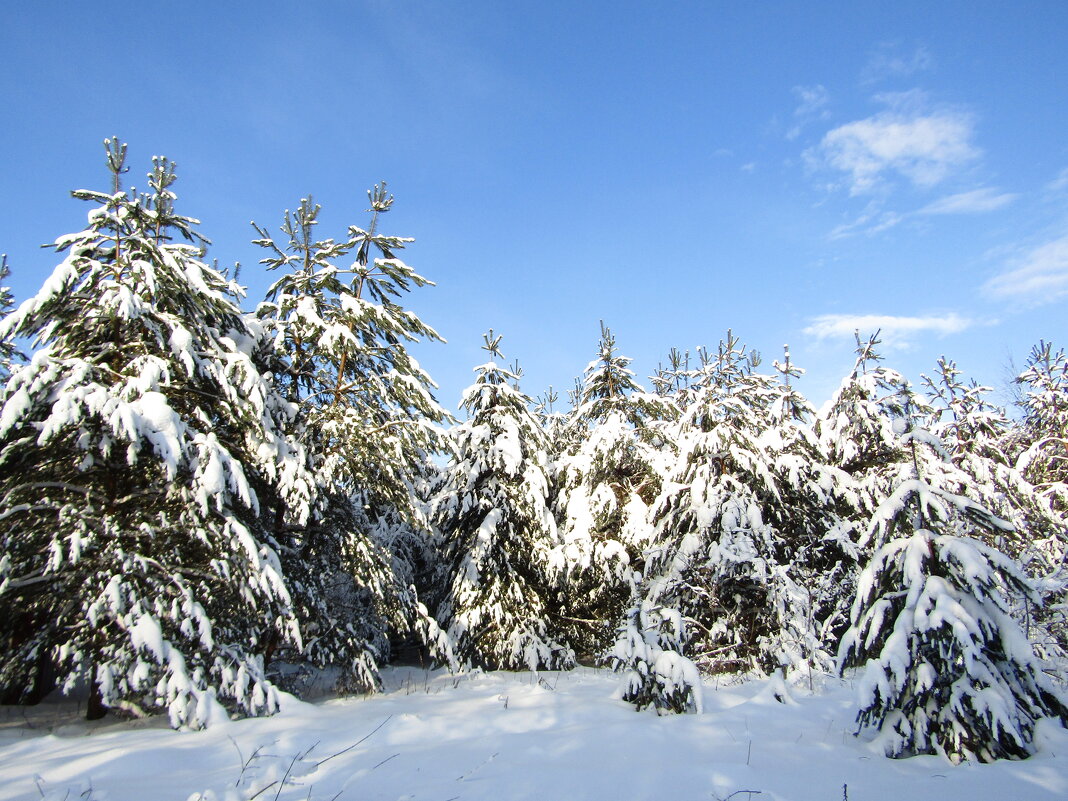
(720, 524)
(198, 502)
(192, 493)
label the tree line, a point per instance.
(200, 504)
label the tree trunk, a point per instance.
(96, 709)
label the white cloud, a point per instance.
(1059, 183)
(812, 106)
(888, 62)
(895, 332)
(1038, 277)
(923, 146)
(888, 219)
(871, 222)
(975, 202)
(874, 220)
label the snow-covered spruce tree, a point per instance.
(974, 432)
(979, 437)
(369, 421)
(860, 447)
(982, 442)
(1043, 462)
(606, 481)
(143, 463)
(856, 426)
(497, 531)
(813, 513)
(553, 420)
(1044, 382)
(717, 575)
(652, 676)
(946, 669)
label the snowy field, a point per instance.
(498, 736)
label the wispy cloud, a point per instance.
(977, 201)
(1060, 183)
(1038, 277)
(895, 332)
(922, 145)
(872, 221)
(888, 61)
(812, 106)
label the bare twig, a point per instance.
(298, 757)
(479, 766)
(261, 790)
(384, 761)
(362, 739)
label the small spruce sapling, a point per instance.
(653, 675)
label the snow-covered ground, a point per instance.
(498, 736)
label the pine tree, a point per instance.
(856, 427)
(368, 404)
(1043, 464)
(607, 480)
(674, 380)
(141, 451)
(717, 572)
(497, 531)
(860, 450)
(947, 670)
(554, 422)
(979, 437)
(812, 511)
(1045, 405)
(369, 421)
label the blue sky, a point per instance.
(788, 170)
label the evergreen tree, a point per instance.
(369, 406)
(860, 449)
(718, 572)
(1043, 464)
(142, 449)
(946, 668)
(1045, 405)
(652, 675)
(553, 421)
(498, 532)
(812, 511)
(978, 436)
(369, 421)
(607, 480)
(674, 381)
(856, 427)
